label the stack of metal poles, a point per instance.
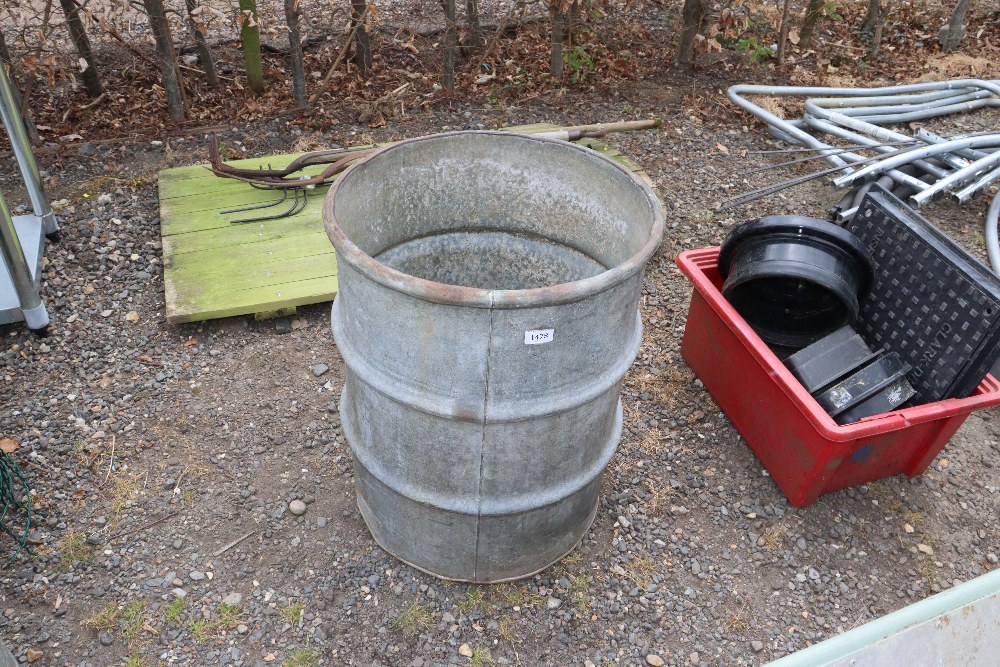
(919, 168)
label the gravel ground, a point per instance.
(151, 448)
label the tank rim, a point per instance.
(444, 293)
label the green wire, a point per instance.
(11, 480)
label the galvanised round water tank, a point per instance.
(487, 312)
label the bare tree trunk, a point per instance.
(5, 61)
(952, 34)
(475, 38)
(91, 79)
(572, 21)
(873, 17)
(691, 18)
(295, 51)
(876, 46)
(556, 47)
(362, 40)
(813, 11)
(783, 33)
(169, 72)
(450, 45)
(201, 44)
(250, 36)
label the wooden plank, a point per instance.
(213, 268)
(615, 155)
(206, 211)
(272, 314)
(227, 236)
(257, 300)
(216, 279)
(188, 187)
(531, 127)
(177, 220)
(256, 262)
(219, 292)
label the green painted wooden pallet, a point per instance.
(212, 268)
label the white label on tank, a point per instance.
(538, 336)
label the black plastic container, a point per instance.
(794, 279)
(848, 379)
(878, 387)
(829, 359)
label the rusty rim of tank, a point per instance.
(444, 293)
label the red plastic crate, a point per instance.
(802, 448)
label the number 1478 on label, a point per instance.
(538, 336)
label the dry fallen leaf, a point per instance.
(132, 316)
(9, 445)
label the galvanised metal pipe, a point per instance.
(858, 138)
(867, 128)
(802, 91)
(854, 197)
(904, 192)
(25, 286)
(970, 190)
(929, 137)
(910, 117)
(954, 160)
(736, 95)
(899, 176)
(906, 157)
(992, 241)
(865, 125)
(901, 109)
(961, 176)
(488, 310)
(847, 102)
(11, 116)
(816, 156)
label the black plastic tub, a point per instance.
(794, 279)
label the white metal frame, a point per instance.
(22, 238)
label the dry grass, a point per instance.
(660, 495)
(473, 599)
(516, 596)
(104, 620)
(124, 488)
(665, 387)
(73, 548)
(415, 618)
(774, 537)
(640, 569)
(652, 443)
(739, 621)
(572, 558)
